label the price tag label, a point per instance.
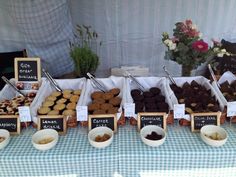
(82, 113)
(179, 111)
(24, 114)
(129, 109)
(231, 109)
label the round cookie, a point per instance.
(115, 101)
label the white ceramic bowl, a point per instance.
(148, 130)
(100, 131)
(6, 134)
(42, 135)
(209, 130)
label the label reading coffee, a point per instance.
(198, 120)
(27, 69)
(105, 120)
(146, 118)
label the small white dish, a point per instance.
(6, 135)
(147, 130)
(207, 133)
(100, 131)
(45, 139)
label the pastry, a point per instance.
(97, 94)
(99, 101)
(107, 96)
(74, 98)
(67, 95)
(115, 101)
(71, 105)
(48, 104)
(99, 111)
(53, 112)
(77, 92)
(51, 98)
(61, 101)
(67, 91)
(113, 110)
(43, 110)
(59, 107)
(135, 92)
(69, 112)
(106, 106)
(93, 106)
(115, 91)
(56, 94)
(155, 90)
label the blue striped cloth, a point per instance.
(183, 154)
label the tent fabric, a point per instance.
(129, 29)
(47, 29)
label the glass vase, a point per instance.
(186, 70)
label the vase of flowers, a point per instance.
(187, 48)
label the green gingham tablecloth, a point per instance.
(183, 154)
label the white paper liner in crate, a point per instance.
(109, 83)
(73, 84)
(227, 76)
(200, 80)
(8, 92)
(147, 83)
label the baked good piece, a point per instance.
(77, 92)
(59, 107)
(71, 105)
(56, 94)
(99, 111)
(113, 110)
(67, 91)
(97, 94)
(115, 101)
(53, 112)
(51, 98)
(93, 106)
(107, 96)
(155, 90)
(48, 104)
(99, 101)
(74, 98)
(61, 101)
(106, 106)
(43, 110)
(135, 92)
(69, 112)
(115, 91)
(67, 95)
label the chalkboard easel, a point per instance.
(152, 118)
(198, 120)
(56, 122)
(106, 120)
(10, 123)
(27, 69)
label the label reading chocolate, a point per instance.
(10, 123)
(158, 119)
(103, 120)
(57, 123)
(198, 120)
(27, 69)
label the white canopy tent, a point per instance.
(130, 29)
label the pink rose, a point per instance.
(200, 46)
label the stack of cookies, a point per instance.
(10, 107)
(149, 101)
(196, 97)
(62, 103)
(105, 103)
(228, 90)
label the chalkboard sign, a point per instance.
(105, 120)
(10, 123)
(27, 69)
(57, 123)
(151, 118)
(198, 120)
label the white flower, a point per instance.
(220, 54)
(194, 26)
(216, 49)
(223, 50)
(227, 53)
(172, 46)
(200, 35)
(167, 41)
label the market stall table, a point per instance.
(182, 154)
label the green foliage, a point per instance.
(85, 60)
(82, 51)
